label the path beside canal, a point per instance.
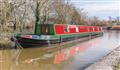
(108, 62)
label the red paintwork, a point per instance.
(72, 28)
(90, 28)
(27, 36)
(82, 28)
(96, 29)
(116, 27)
(60, 29)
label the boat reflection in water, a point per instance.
(42, 58)
(66, 54)
(45, 59)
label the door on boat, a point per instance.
(45, 29)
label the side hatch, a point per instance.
(45, 28)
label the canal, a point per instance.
(72, 56)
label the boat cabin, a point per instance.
(59, 29)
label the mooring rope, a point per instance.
(17, 44)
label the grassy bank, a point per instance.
(5, 43)
(5, 36)
(117, 67)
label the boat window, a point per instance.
(66, 29)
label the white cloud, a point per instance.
(100, 8)
(95, 8)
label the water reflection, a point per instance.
(69, 58)
(38, 57)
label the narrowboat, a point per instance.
(56, 33)
(115, 27)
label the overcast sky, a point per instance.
(101, 8)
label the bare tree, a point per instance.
(20, 12)
(9, 13)
(6, 9)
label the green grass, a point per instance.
(117, 67)
(4, 42)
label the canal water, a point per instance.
(72, 56)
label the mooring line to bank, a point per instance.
(17, 44)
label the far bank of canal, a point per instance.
(73, 57)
